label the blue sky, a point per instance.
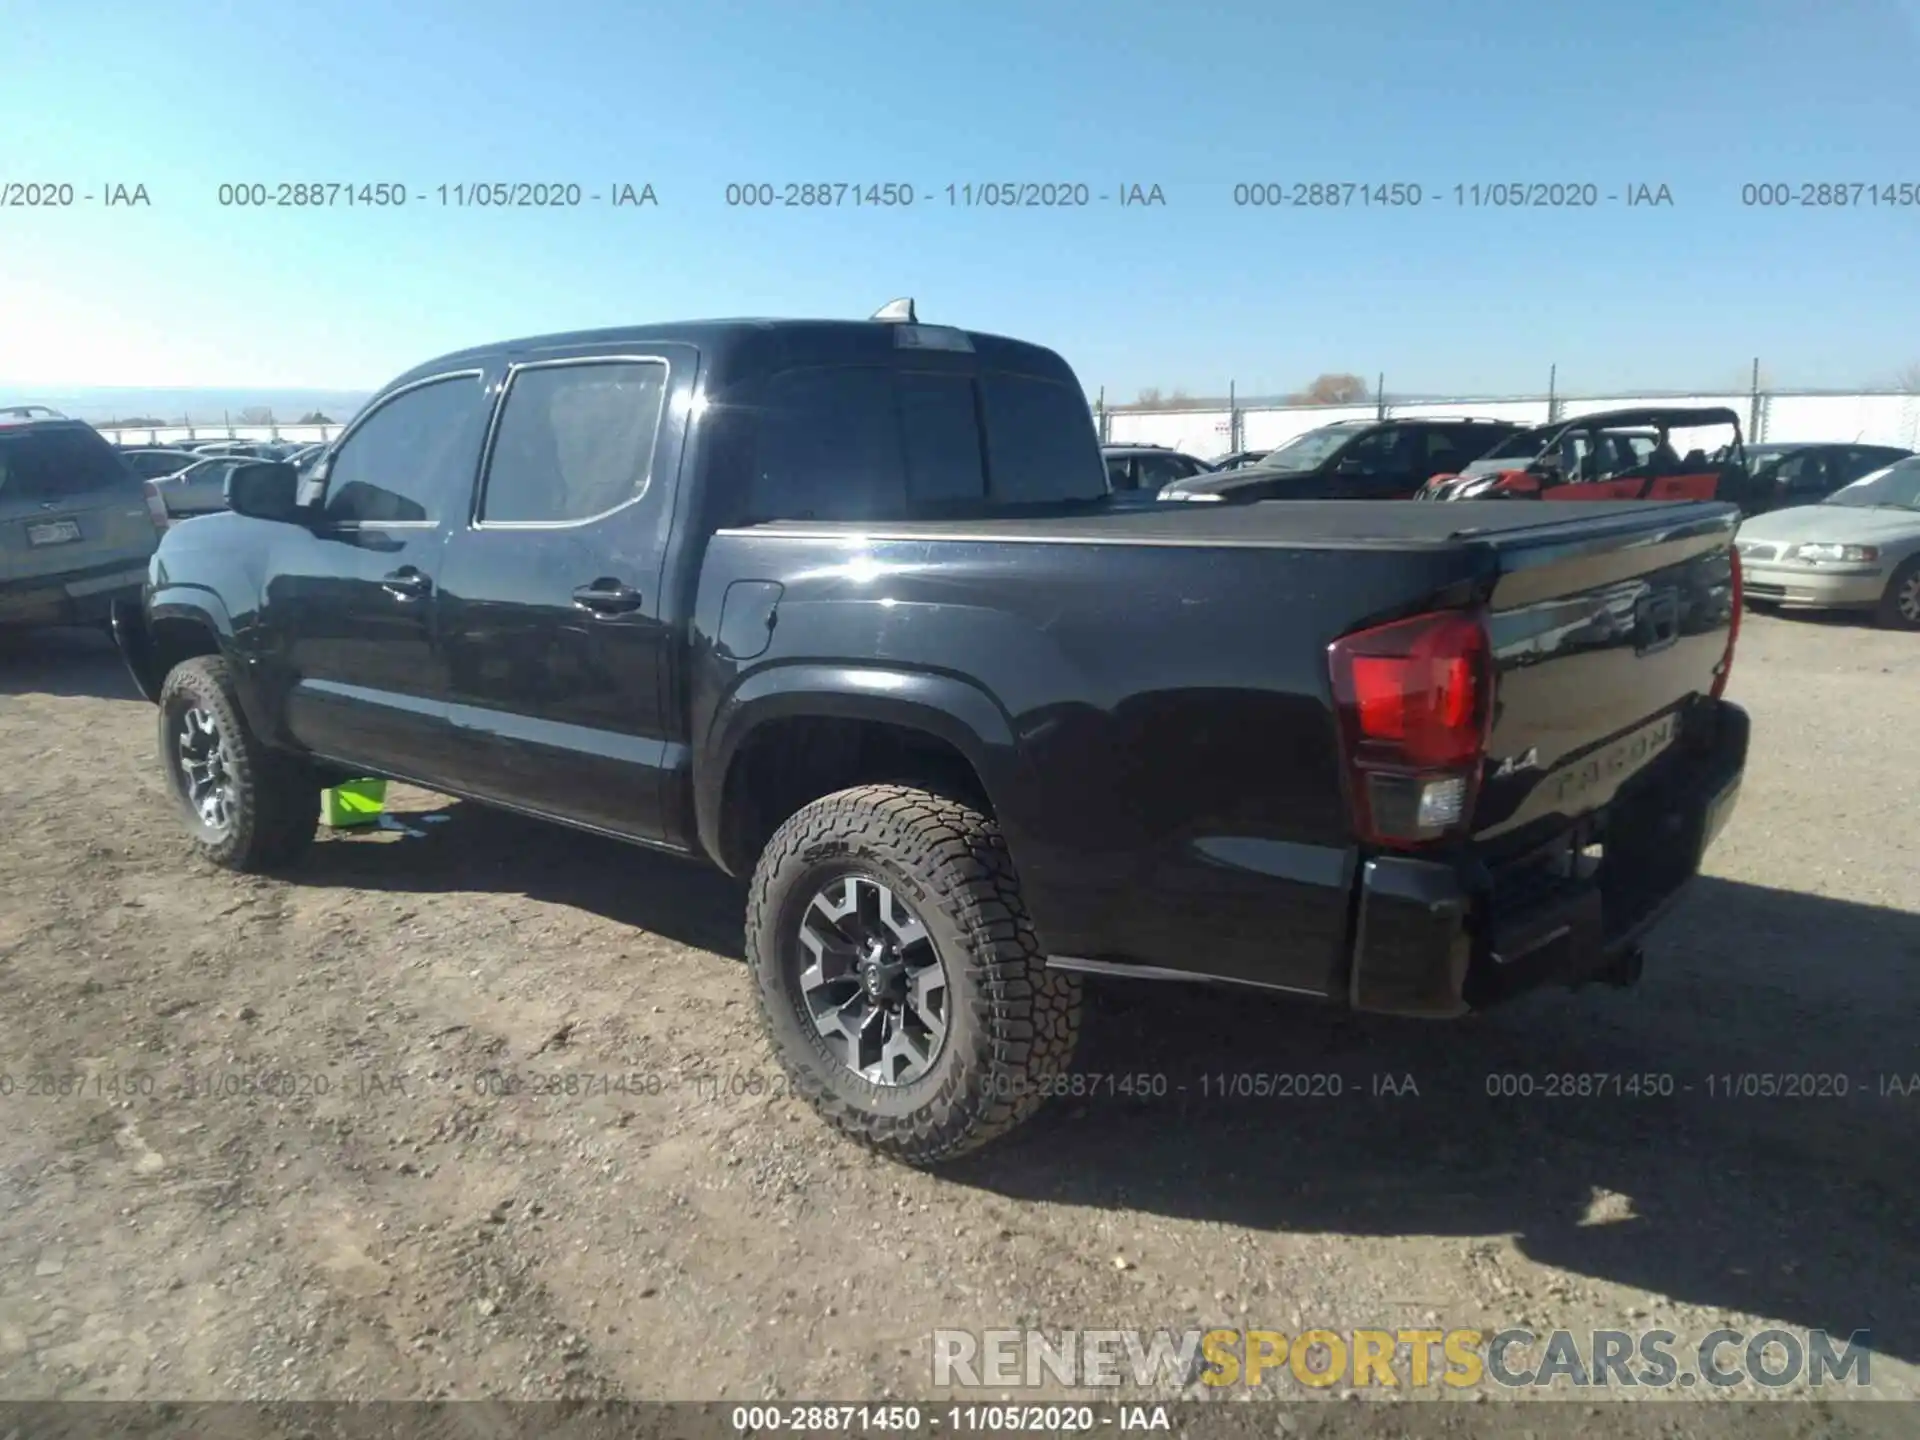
(1701, 97)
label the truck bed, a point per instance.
(1320, 524)
(1157, 730)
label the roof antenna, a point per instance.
(898, 311)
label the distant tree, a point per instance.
(1150, 398)
(1331, 389)
(137, 422)
(256, 415)
(314, 417)
(1909, 379)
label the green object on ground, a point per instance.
(358, 802)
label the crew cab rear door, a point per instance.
(550, 610)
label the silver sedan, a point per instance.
(1859, 549)
(201, 487)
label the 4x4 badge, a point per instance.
(1528, 759)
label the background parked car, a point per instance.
(1240, 459)
(1805, 474)
(1148, 467)
(1353, 460)
(152, 464)
(253, 449)
(75, 528)
(201, 488)
(1859, 549)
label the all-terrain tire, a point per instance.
(1900, 607)
(1012, 1024)
(274, 800)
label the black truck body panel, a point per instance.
(1142, 694)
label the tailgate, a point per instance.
(1607, 633)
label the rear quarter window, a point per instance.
(873, 443)
(1041, 444)
(826, 447)
(940, 427)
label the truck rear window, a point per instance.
(871, 443)
(53, 464)
(1041, 444)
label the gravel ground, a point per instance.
(374, 1223)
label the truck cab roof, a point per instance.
(733, 348)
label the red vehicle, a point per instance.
(1611, 455)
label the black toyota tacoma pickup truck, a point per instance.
(846, 608)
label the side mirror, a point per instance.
(264, 489)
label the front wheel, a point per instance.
(247, 808)
(900, 980)
(1900, 606)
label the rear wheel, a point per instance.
(246, 807)
(1900, 606)
(901, 982)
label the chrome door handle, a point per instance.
(407, 584)
(607, 597)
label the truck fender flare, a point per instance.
(943, 706)
(134, 630)
(191, 602)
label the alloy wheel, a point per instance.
(872, 981)
(201, 753)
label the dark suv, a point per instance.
(1353, 460)
(76, 529)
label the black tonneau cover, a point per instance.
(1356, 524)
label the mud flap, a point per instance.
(135, 643)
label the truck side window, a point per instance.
(827, 447)
(941, 428)
(412, 460)
(1447, 451)
(1041, 444)
(574, 441)
(1801, 474)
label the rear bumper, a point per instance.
(1444, 938)
(1849, 587)
(79, 597)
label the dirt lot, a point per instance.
(377, 1224)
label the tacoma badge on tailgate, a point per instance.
(1611, 763)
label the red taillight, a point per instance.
(1724, 671)
(1414, 701)
(156, 507)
